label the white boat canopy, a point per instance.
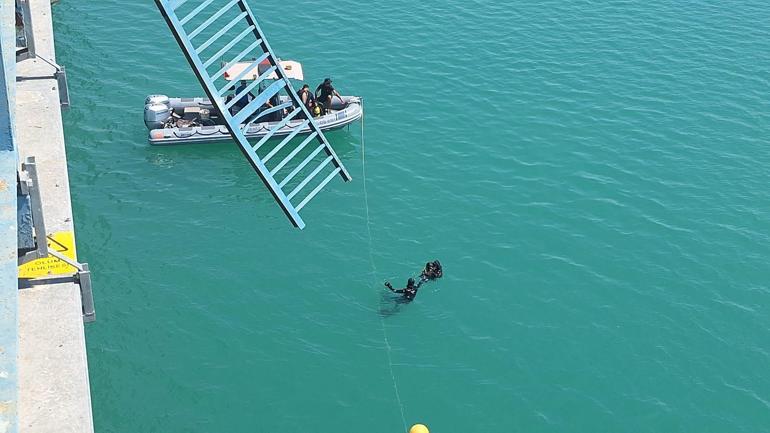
(291, 68)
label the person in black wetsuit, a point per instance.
(241, 103)
(408, 292)
(306, 96)
(432, 271)
(325, 92)
(275, 101)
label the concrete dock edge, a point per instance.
(8, 229)
(54, 391)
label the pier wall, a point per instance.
(8, 238)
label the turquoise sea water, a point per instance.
(593, 175)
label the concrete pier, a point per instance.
(53, 388)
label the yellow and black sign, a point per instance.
(62, 242)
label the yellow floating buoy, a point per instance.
(418, 428)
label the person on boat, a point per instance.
(325, 93)
(306, 96)
(409, 292)
(275, 101)
(245, 99)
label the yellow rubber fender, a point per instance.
(419, 428)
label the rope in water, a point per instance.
(388, 348)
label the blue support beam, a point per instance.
(230, 28)
(9, 294)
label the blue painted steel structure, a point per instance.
(211, 31)
(9, 300)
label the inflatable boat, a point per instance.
(195, 120)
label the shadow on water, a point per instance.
(391, 304)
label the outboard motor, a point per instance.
(156, 99)
(156, 111)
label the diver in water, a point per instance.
(432, 271)
(408, 292)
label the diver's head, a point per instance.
(410, 283)
(437, 271)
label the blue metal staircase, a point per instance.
(210, 31)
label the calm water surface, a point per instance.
(593, 175)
